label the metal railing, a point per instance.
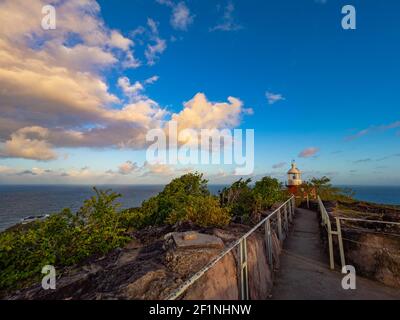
(326, 222)
(288, 209)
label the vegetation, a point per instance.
(247, 203)
(99, 226)
(185, 198)
(322, 187)
(61, 240)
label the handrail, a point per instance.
(326, 221)
(370, 221)
(242, 254)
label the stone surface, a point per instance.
(153, 266)
(193, 240)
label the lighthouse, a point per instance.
(294, 178)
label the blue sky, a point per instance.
(332, 92)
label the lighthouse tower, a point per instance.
(294, 178)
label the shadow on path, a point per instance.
(305, 275)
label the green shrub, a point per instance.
(240, 200)
(66, 238)
(323, 188)
(185, 198)
(61, 240)
(247, 203)
(269, 191)
(204, 211)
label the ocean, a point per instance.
(17, 202)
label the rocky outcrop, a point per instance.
(158, 260)
(376, 256)
(222, 281)
(372, 248)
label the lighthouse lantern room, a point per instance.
(294, 178)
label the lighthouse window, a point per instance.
(294, 177)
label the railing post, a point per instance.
(279, 221)
(244, 276)
(287, 207)
(285, 215)
(293, 204)
(340, 240)
(330, 242)
(268, 242)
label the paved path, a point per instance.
(304, 273)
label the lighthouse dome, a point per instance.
(294, 169)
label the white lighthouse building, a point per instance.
(294, 178)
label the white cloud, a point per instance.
(373, 129)
(154, 50)
(128, 89)
(309, 152)
(127, 168)
(181, 16)
(199, 113)
(29, 143)
(274, 97)
(6, 170)
(279, 165)
(60, 88)
(152, 80)
(54, 95)
(156, 46)
(227, 22)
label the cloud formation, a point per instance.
(29, 143)
(199, 113)
(156, 46)
(309, 152)
(181, 16)
(274, 97)
(227, 21)
(279, 165)
(54, 89)
(127, 167)
(373, 129)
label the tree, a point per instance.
(268, 191)
(183, 199)
(248, 203)
(240, 200)
(324, 189)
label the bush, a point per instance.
(247, 203)
(269, 191)
(240, 200)
(98, 227)
(322, 187)
(204, 211)
(185, 198)
(61, 240)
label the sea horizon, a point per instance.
(20, 201)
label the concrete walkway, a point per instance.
(305, 275)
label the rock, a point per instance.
(187, 236)
(146, 286)
(224, 235)
(155, 266)
(193, 240)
